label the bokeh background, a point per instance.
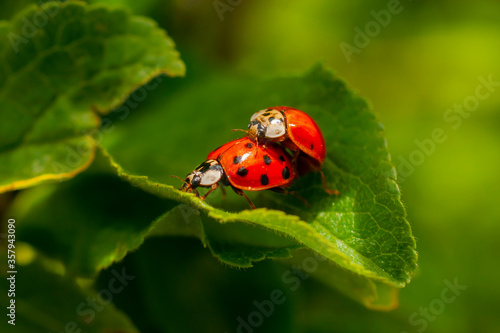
(427, 59)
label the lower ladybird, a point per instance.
(244, 166)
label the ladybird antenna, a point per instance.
(182, 180)
(240, 130)
(174, 176)
(188, 188)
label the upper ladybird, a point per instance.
(295, 130)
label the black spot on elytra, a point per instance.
(282, 158)
(285, 173)
(312, 146)
(264, 180)
(242, 172)
(266, 114)
(237, 159)
(267, 160)
(249, 145)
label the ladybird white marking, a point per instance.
(275, 129)
(210, 177)
(245, 156)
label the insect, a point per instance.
(296, 131)
(243, 165)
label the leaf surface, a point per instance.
(363, 230)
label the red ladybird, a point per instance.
(244, 166)
(296, 131)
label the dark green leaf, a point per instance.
(195, 285)
(68, 310)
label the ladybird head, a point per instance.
(268, 124)
(206, 174)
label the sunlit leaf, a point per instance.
(57, 77)
(363, 230)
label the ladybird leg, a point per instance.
(325, 186)
(288, 144)
(240, 130)
(256, 147)
(295, 155)
(295, 194)
(240, 192)
(223, 190)
(195, 191)
(212, 188)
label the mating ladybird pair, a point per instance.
(260, 161)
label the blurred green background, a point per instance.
(427, 59)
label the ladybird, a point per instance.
(295, 130)
(243, 165)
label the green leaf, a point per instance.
(196, 279)
(56, 78)
(363, 230)
(68, 309)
